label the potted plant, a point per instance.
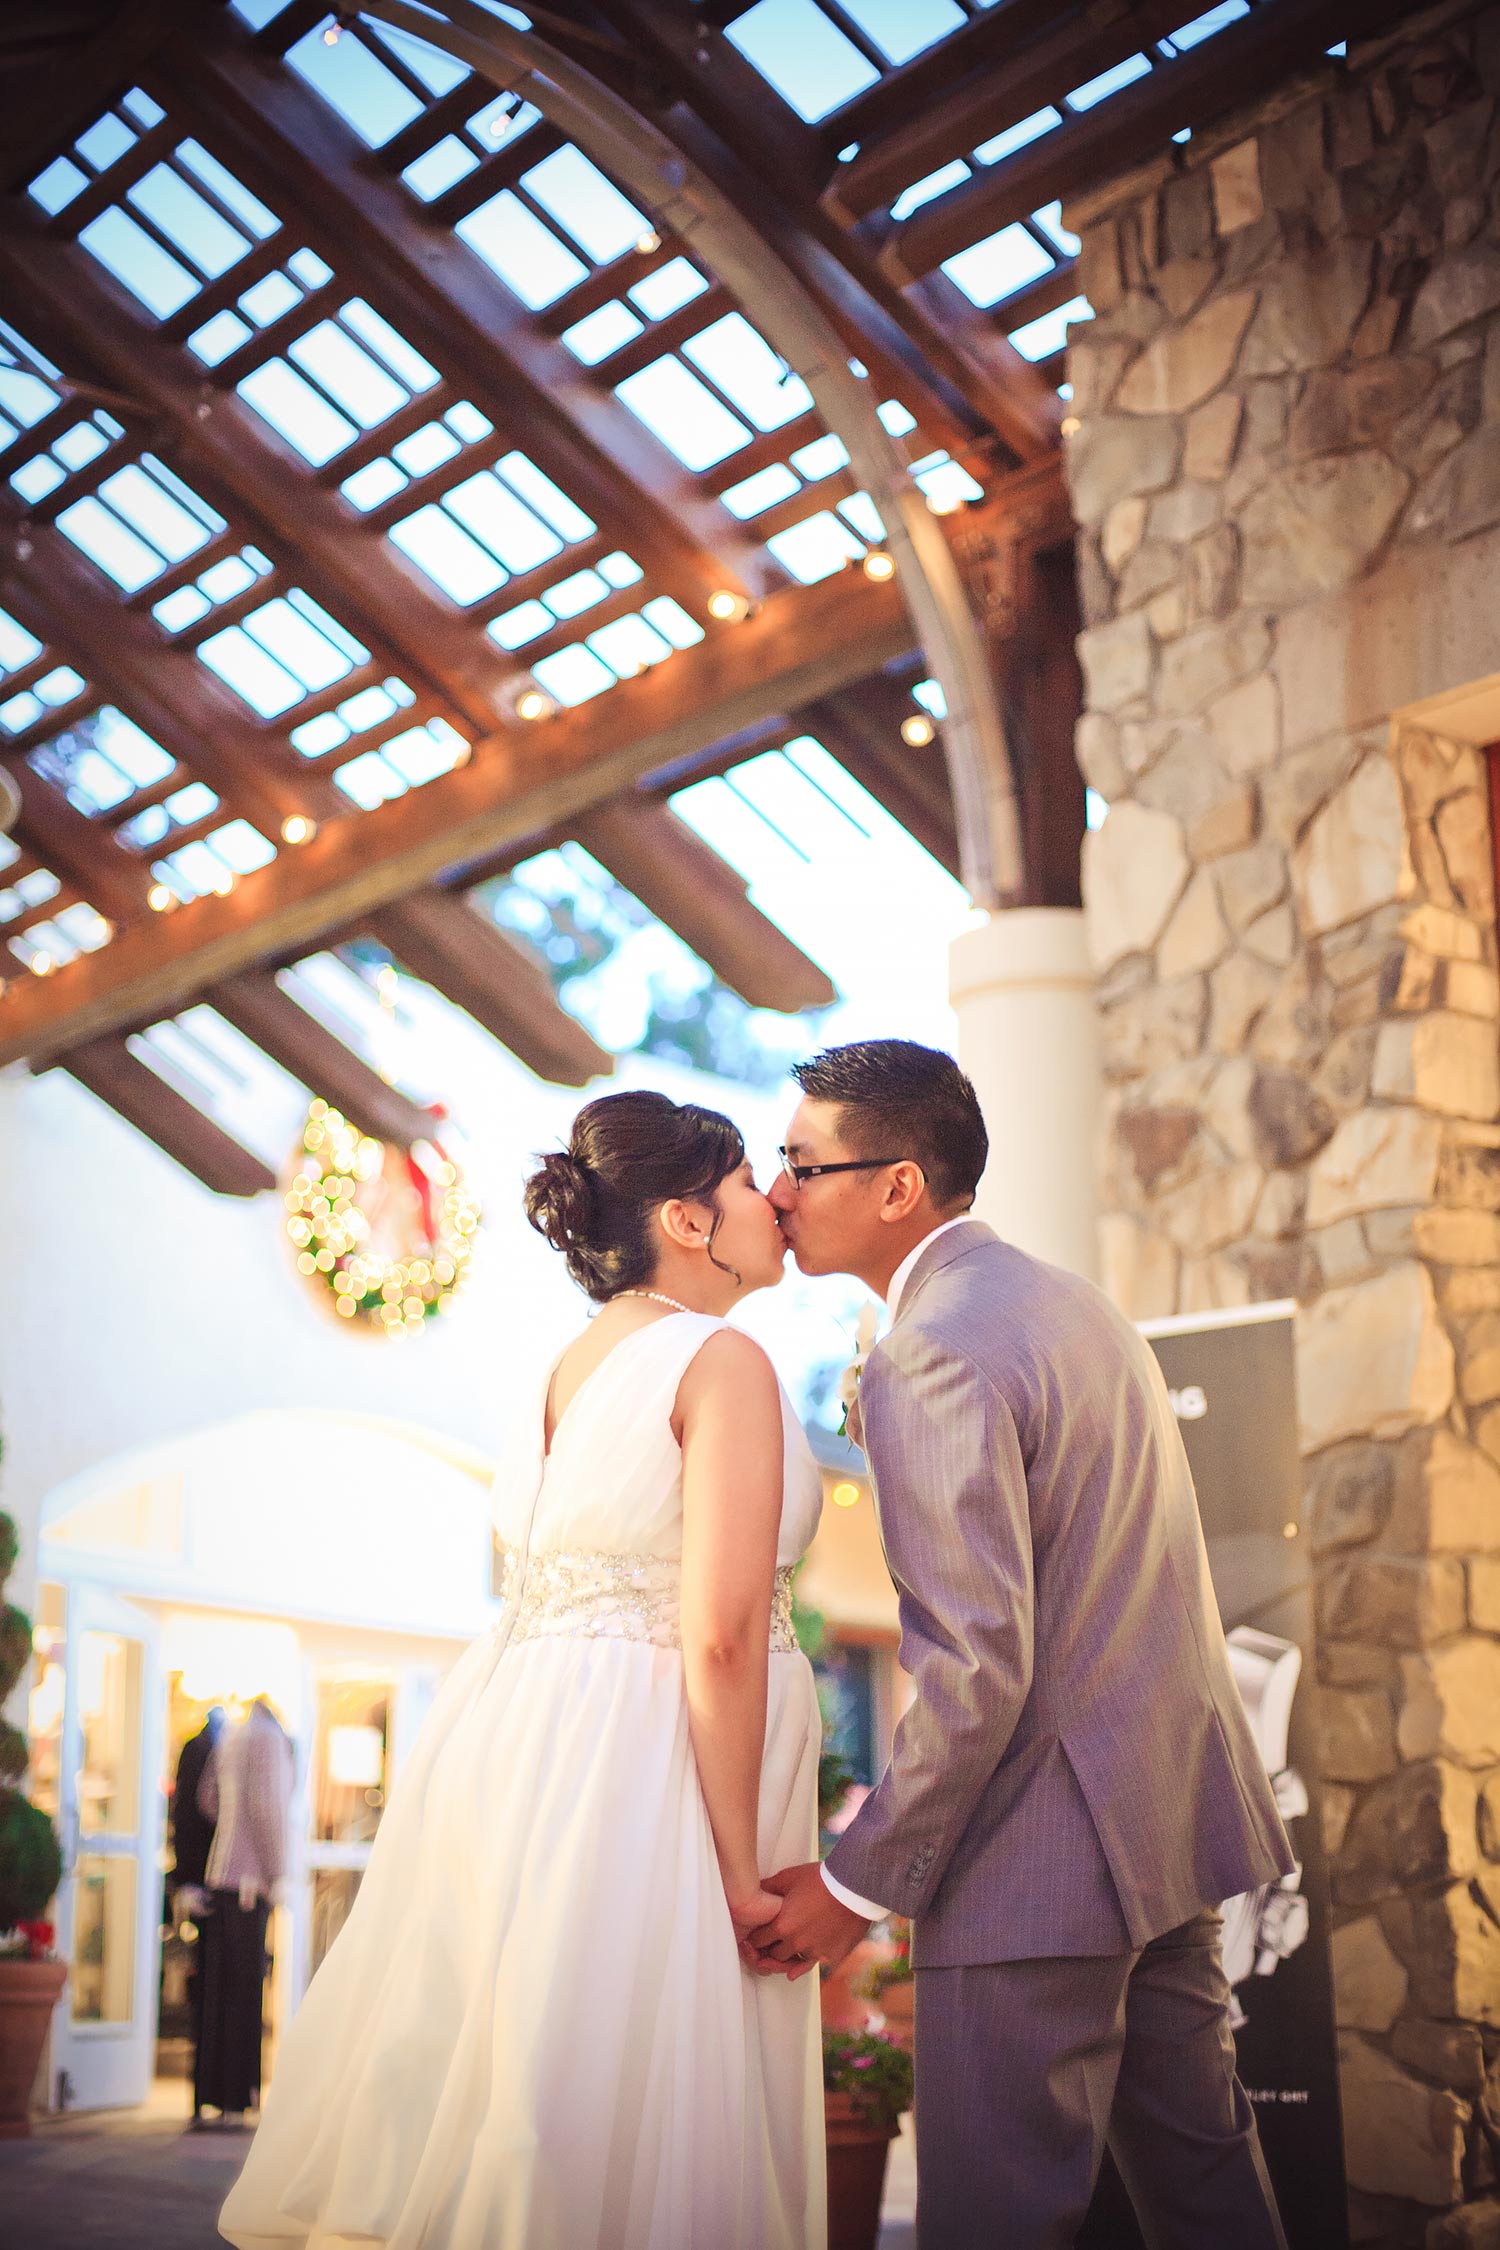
(891, 1984)
(30, 1871)
(867, 2084)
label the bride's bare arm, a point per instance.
(729, 1411)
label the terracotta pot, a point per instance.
(857, 2152)
(28, 1994)
(898, 2005)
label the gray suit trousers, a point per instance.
(1025, 2069)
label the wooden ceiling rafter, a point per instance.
(256, 1005)
(133, 1090)
(671, 721)
(287, 144)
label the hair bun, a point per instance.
(560, 1200)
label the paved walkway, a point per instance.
(139, 2180)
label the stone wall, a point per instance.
(1285, 462)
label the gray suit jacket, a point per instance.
(1076, 1774)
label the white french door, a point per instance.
(111, 1814)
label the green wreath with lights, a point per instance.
(386, 1231)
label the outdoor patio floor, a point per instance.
(140, 2180)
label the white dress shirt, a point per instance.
(857, 1905)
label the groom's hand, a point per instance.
(812, 1926)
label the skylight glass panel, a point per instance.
(672, 621)
(296, 411)
(267, 299)
(188, 221)
(84, 926)
(1109, 82)
(464, 570)
(629, 645)
(860, 511)
(527, 256)
(314, 736)
(439, 168)
(80, 445)
(23, 393)
(375, 483)
(573, 191)
(1050, 220)
(501, 121)
(668, 289)
(799, 51)
(599, 333)
(242, 847)
(369, 780)
(423, 753)
(895, 419)
(218, 337)
(101, 761)
(17, 646)
(620, 569)
(368, 707)
(258, 13)
(247, 208)
(737, 358)
(105, 142)
(925, 191)
(55, 188)
(20, 712)
(358, 383)
(1017, 136)
(426, 449)
(365, 92)
(176, 611)
(36, 478)
(43, 942)
(142, 108)
(243, 665)
(300, 634)
(466, 421)
(222, 581)
(821, 458)
(683, 413)
(998, 266)
(1039, 339)
(572, 596)
(309, 268)
(1204, 26)
(815, 548)
(402, 358)
(144, 830)
(139, 263)
(549, 501)
(903, 28)
(159, 514)
(493, 513)
(515, 627)
(574, 675)
(196, 802)
(110, 544)
(439, 71)
(755, 494)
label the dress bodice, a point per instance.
(611, 1484)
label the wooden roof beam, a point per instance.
(1225, 73)
(135, 1093)
(291, 148)
(989, 40)
(799, 644)
(451, 945)
(256, 1005)
(686, 885)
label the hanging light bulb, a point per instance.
(534, 703)
(879, 565)
(917, 731)
(332, 33)
(727, 606)
(649, 243)
(298, 829)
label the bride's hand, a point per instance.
(753, 1911)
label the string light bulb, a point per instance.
(1071, 425)
(332, 34)
(917, 731)
(298, 829)
(41, 964)
(879, 565)
(727, 606)
(845, 1495)
(649, 243)
(160, 899)
(534, 704)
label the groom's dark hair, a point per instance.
(899, 1099)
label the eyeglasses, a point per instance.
(797, 1173)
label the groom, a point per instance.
(1075, 1787)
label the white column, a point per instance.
(1022, 987)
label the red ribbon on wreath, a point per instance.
(425, 1188)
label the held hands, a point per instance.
(806, 1924)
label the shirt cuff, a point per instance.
(856, 1905)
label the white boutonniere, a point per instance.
(852, 1426)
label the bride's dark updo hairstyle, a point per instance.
(626, 1156)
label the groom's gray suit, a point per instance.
(1075, 1787)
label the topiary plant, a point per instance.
(30, 1859)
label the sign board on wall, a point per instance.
(1233, 1385)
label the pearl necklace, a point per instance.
(656, 1298)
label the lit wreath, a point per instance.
(388, 1231)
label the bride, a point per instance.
(535, 2031)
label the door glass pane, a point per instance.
(349, 1759)
(109, 1708)
(45, 1716)
(103, 1968)
(333, 1894)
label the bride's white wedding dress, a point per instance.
(534, 2032)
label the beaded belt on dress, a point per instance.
(617, 1597)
